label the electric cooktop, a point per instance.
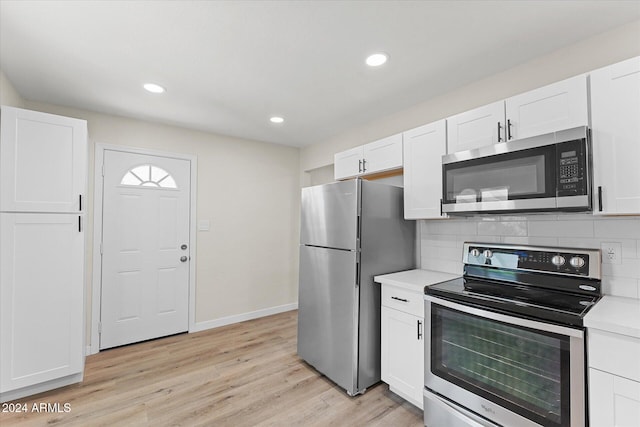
(556, 285)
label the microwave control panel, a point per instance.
(571, 168)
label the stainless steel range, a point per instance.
(506, 342)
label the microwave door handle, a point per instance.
(600, 198)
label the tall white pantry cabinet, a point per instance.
(43, 165)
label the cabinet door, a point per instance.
(402, 354)
(554, 107)
(476, 128)
(423, 150)
(613, 401)
(615, 109)
(41, 298)
(348, 164)
(43, 161)
(384, 154)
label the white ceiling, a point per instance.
(229, 65)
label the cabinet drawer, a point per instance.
(614, 353)
(404, 300)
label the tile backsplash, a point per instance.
(441, 241)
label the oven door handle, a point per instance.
(513, 320)
(455, 416)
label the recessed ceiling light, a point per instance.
(276, 119)
(153, 88)
(377, 59)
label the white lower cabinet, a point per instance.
(41, 302)
(614, 401)
(614, 379)
(402, 352)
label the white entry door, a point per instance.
(146, 248)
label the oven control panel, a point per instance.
(568, 261)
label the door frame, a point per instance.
(96, 294)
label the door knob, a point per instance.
(183, 258)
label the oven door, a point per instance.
(509, 370)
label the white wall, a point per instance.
(440, 241)
(604, 49)
(8, 94)
(248, 190)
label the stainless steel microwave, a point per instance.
(550, 172)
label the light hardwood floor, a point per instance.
(247, 374)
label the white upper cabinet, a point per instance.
(383, 154)
(476, 128)
(43, 158)
(558, 106)
(378, 156)
(615, 118)
(423, 150)
(348, 163)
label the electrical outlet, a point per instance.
(611, 252)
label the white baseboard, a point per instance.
(223, 321)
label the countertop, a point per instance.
(414, 280)
(615, 314)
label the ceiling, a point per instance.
(230, 65)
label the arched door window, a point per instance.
(148, 176)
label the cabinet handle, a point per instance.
(400, 299)
(499, 130)
(508, 129)
(440, 207)
(359, 166)
(419, 329)
(80, 201)
(364, 165)
(79, 224)
(600, 198)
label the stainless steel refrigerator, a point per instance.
(350, 232)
